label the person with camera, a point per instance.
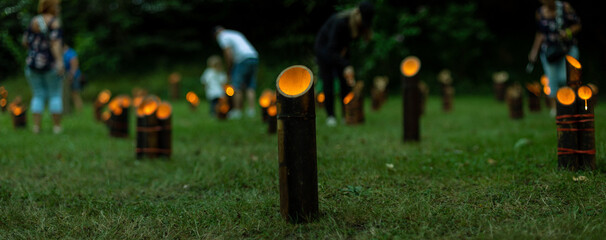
(558, 25)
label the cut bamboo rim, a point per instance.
(584, 92)
(348, 98)
(192, 98)
(294, 81)
(272, 110)
(573, 62)
(410, 66)
(266, 98)
(544, 80)
(148, 106)
(321, 97)
(565, 95)
(104, 96)
(164, 110)
(115, 106)
(229, 90)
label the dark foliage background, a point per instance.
(472, 38)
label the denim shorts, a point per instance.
(556, 71)
(244, 74)
(46, 86)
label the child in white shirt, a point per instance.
(214, 78)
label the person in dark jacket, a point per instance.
(332, 48)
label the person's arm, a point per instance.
(575, 28)
(538, 40)
(56, 46)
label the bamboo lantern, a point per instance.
(586, 127)
(222, 108)
(499, 79)
(573, 72)
(410, 67)
(193, 100)
(164, 115)
(102, 98)
(265, 100)
(514, 101)
(147, 143)
(534, 96)
(594, 90)
(546, 91)
(173, 82)
(297, 145)
(320, 99)
(566, 127)
(354, 105)
(378, 92)
(448, 91)
(18, 113)
(105, 116)
(3, 98)
(118, 121)
(424, 89)
(272, 122)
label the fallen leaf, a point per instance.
(389, 165)
(491, 161)
(579, 178)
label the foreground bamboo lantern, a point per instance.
(297, 145)
(575, 121)
(102, 98)
(193, 100)
(411, 96)
(499, 79)
(147, 143)
(173, 81)
(164, 115)
(118, 121)
(515, 101)
(378, 92)
(534, 96)
(354, 105)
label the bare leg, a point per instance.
(37, 121)
(238, 100)
(250, 98)
(57, 119)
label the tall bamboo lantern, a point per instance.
(222, 108)
(499, 79)
(297, 145)
(164, 115)
(147, 142)
(567, 131)
(515, 101)
(546, 91)
(193, 100)
(534, 96)
(448, 91)
(411, 96)
(320, 99)
(229, 92)
(18, 113)
(586, 126)
(378, 92)
(573, 72)
(102, 98)
(174, 79)
(3, 99)
(118, 121)
(594, 91)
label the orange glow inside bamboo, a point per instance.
(164, 110)
(137, 101)
(192, 98)
(295, 80)
(265, 99)
(223, 106)
(105, 116)
(534, 88)
(348, 98)
(17, 110)
(544, 80)
(115, 106)
(3, 92)
(321, 97)
(410, 66)
(272, 110)
(229, 90)
(546, 90)
(125, 101)
(104, 96)
(174, 78)
(584, 92)
(148, 107)
(3, 102)
(565, 95)
(573, 62)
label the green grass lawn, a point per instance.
(465, 179)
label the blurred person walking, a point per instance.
(558, 26)
(242, 65)
(332, 48)
(44, 63)
(73, 75)
(213, 79)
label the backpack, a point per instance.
(39, 57)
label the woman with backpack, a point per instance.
(44, 63)
(558, 24)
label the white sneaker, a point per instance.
(250, 113)
(57, 129)
(552, 112)
(331, 121)
(234, 114)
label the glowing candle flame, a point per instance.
(348, 98)
(410, 66)
(2, 102)
(164, 110)
(265, 99)
(272, 110)
(229, 90)
(544, 80)
(585, 93)
(192, 98)
(321, 97)
(565, 95)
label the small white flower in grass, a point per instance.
(389, 165)
(579, 178)
(185, 186)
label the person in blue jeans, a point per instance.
(44, 63)
(242, 64)
(72, 74)
(558, 25)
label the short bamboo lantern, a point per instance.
(148, 129)
(546, 91)
(3, 99)
(354, 105)
(164, 115)
(411, 96)
(320, 99)
(297, 145)
(193, 100)
(378, 92)
(265, 101)
(102, 99)
(119, 108)
(18, 113)
(499, 79)
(515, 103)
(534, 96)
(448, 91)
(174, 79)
(222, 108)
